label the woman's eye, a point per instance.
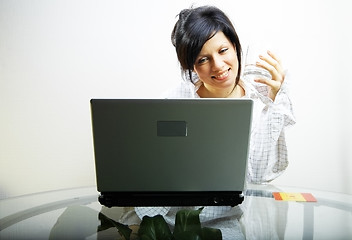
(223, 50)
(202, 60)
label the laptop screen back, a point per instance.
(172, 145)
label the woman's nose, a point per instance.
(217, 64)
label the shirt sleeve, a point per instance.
(268, 151)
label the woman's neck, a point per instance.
(235, 91)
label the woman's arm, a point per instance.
(268, 151)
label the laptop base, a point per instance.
(153, 199)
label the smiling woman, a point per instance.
(194, 28)
(217, 67)
(209, 51)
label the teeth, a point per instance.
(224, 74)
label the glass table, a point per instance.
(77, 214)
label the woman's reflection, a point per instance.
(258, 217)
(263, 217)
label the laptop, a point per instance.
(171, 152)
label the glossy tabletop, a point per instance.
(76, 214)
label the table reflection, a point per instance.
(257, 217)
(78, 215)
(263, 217)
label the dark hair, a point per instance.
(194, 27)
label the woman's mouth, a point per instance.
(222, 76)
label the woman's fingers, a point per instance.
(273, 64)
(271, 83)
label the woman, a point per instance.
(209, 52)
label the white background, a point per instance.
(57, 55)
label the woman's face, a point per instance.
(217, 64)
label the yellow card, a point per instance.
(298, 197)
(292, 197)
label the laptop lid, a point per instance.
(171, 152)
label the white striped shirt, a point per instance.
(268, 152)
